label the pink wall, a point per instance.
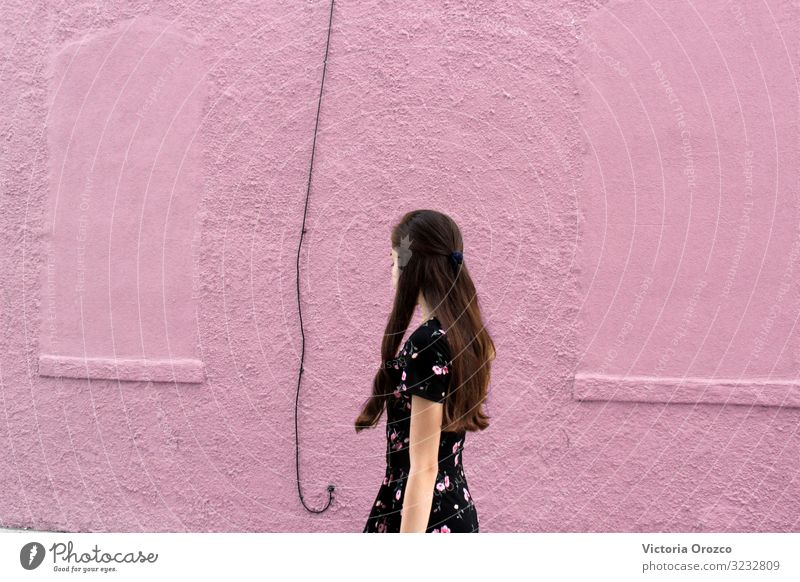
(639, 276)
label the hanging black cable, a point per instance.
(299, 311)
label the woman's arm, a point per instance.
(426, 426)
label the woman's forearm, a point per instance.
(418, 501)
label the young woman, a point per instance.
(433, 391)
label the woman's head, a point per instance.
(431, 236)
(423, 269)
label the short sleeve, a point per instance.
(425, 365)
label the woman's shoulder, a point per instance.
(429, 329)
(429, 333)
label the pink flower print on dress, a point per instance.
(455, 448)
(403, 377)
(414, 355)
(397, 495)
(439, 370)
(466, 494)
(435, 530)
(445, 529)
(456, 460)
(440, 486)
(446, 481)
(393, 435)
(382, 526)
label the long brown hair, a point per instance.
(424, 240)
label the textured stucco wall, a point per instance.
(485, 110)
(690, 269)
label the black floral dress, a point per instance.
(422, 369)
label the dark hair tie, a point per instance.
(456, 258)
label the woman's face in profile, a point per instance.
(395, 269)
